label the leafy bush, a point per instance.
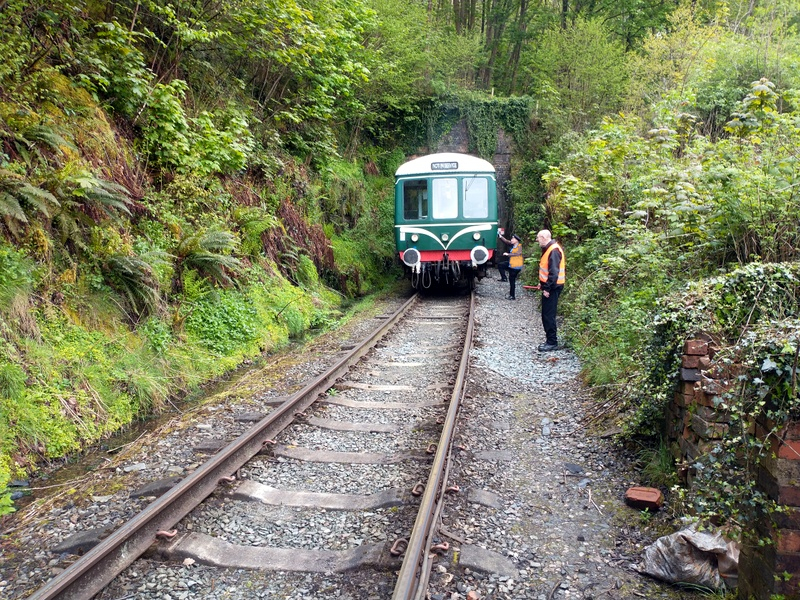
(166, 137)
(157, 335)
(114, 68)
(16, 274)
(222, 143)
(306, 272)
(224, 321)
(283, 305)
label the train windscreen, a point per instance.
(445, 199)
(415, 199)
(476, 198)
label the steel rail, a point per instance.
(97, 568)
(412, 579)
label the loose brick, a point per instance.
(712, 386)
(785, 471)
(697, 347)
(644, 498)
(767, 424)
(704, 399)
(768, 483)
(782, 494)
(789, 518)
(688, 434)
(761, 433)
(687, 387)
(682, 400)
(688, 448)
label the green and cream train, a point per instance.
(445, 220)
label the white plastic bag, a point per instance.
(691, 556)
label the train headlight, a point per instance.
(411, 257)
(476, 236)
(445, 237)
(414, 237)
(479, 255)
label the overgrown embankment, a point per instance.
(153, 238)
(674, 233)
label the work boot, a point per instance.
(548, 347)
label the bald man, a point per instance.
(552, 276)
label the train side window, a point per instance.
(415, 199)
(445, 199)
(476, 198)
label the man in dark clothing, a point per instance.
(552, 276)
(514, 265)
(502, 266)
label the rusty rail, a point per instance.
(94, 570)
(412, 580)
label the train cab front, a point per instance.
(445, 218)
(429, 267)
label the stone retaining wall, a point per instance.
(694, 423)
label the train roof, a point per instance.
(444, 162)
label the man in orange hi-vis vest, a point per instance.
(552, 276)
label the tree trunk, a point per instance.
(522, 28)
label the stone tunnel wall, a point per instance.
(695, 423)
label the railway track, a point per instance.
(366, 445)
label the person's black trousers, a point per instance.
(503, 269)
(549, 307)
(512, 282)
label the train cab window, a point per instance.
(445, 199)
(415, 199)
(476, 198)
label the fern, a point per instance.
(32, 140)
(9, 207)
(252, 224)
(36, 197)
(133, 276)
(214, 266)
(45, 135)
(86, 200)
(16, 195)
(206, 252)
(103, 194)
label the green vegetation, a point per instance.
(681, 216)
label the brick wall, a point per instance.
(694, 422)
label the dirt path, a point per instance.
(538, 487)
